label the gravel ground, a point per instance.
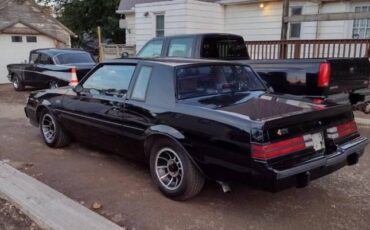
(125, 194)
(11, 218)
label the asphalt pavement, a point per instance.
(126, 195)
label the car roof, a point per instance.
(174, 62)
(198, 35)
(56, 51)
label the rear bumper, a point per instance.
(300, 176)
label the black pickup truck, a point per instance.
(50, 68)
(342, 81)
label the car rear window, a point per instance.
(74, 58)
(208, 80)
(224, 47)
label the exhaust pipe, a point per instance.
(303, 179)
(352, 159)
(225, 186)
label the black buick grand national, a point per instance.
(192, 120)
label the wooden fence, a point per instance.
(298, 49)
(112, 51)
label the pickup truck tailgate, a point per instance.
(348, 74)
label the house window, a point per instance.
(17, 39)
(159, 25)
(31, 39)
(361, 27)
(295, 28)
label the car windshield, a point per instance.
(216, 79)
(74, 58)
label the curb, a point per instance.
(47, 207)
(362, 121)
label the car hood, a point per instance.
(259, 105)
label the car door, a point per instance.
(42, 69)
(29, 71)
(96, 113)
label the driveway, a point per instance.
(128, 197)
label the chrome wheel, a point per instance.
(48, 128)
(53, 85)
(16, 83)
(169, 168)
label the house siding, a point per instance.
(175, 19)
(203, 17)
(181, 17)
(248, 20)
(130, 30)
(254, 23)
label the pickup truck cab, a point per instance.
(195, 119)
(344, 80)
(50, 68)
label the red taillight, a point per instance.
(324, 75)
(279, 148)
(342, 130)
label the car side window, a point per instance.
(181, 47)
(33, 58)
(44, 59)
(141, 84)
(152, 49)
(110, 79)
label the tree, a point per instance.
(83, 17)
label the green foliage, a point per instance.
(83, 16)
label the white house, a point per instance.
(24, 27)
(253, 19)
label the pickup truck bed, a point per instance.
(342, 81)
(347, 79)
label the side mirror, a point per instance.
(77, 89)
(124, 55)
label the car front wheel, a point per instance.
(17, 84)
(53, 134)
(173, 172)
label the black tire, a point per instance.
(192, 180)
(366, 108)
(60, 138)
(53, 85)
(18, 85)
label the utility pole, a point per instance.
(284, 29)
(101, 58)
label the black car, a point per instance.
(192, 119)
(50, 68)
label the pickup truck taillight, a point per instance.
(342, 130)
(324, 75)
(280, 148)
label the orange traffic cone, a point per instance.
(74, 79)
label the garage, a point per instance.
(16, 48)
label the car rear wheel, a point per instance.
(173, 172)
(17, 83)
(53, 134)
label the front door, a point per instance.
(96, 114)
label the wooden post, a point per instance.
(101, 53)
(284, 30)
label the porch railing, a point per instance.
(300, 49)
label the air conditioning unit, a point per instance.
(122, 23)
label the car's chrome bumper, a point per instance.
(354, 147)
